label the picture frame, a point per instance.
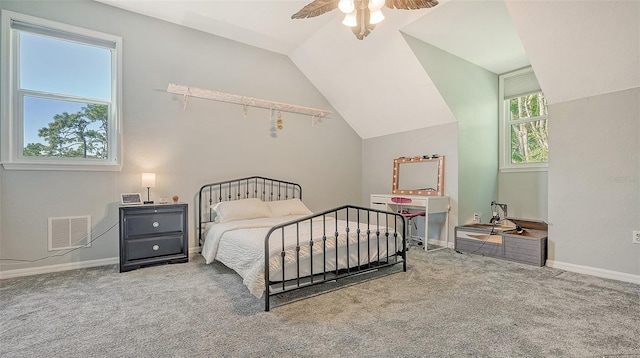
(130, 199)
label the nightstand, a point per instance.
(153, 234)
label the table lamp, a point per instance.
(148, 181)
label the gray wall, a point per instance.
(472, 94)
(207, 142)
(593, 177)
(594, 182)
(525, 193)
(470, 145)
(378, 155)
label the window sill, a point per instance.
(524, 169)
(111, 167)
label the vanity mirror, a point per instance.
(418, 176)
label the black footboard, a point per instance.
(330, 245)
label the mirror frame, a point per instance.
(403, 160)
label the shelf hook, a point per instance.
(185, 101)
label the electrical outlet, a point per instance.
(636, 237)
(476, 218)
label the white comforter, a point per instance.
(240, 246)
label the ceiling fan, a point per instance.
(361, 15)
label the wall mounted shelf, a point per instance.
(187, 92)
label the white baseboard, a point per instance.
(442, 243)
(70, 266)
(57, 268)
(593, 271)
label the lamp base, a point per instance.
(147, 202)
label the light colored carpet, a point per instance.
(446, 305)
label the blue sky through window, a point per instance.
(61, 67)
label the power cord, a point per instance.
(18, 261)
(483, 242)
(492, 232)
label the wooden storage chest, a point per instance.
(528, 246)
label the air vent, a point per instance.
(69, 232)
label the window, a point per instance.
(524, 144)
(61, 100)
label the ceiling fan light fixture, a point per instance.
(350, 19)
(375, 5)
(376, 17)
(346, 6)
(361, 15)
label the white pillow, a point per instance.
(288, 207)
(240, 210)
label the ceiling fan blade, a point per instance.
(315, 8)
(410, 4)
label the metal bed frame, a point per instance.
(381, 228)
(262, 188)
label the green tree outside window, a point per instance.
(74, 135)
(529, 130)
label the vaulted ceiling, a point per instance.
(577, 49)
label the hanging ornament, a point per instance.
(279, 121)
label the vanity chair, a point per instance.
(400, 201)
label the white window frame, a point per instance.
(11, 121)
(529, 85)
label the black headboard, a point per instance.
(265, 189)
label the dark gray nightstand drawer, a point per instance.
(161, 222)
(153, 235)
(153, 247)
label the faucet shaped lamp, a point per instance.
(494, 209)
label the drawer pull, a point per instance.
(156, 247)
(156, 224)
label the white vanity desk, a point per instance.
(420, 179)
(428, 204)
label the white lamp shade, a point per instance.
(376, 17)
(350, 19)
(149, 180)
(346, 6)
(376, 4)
